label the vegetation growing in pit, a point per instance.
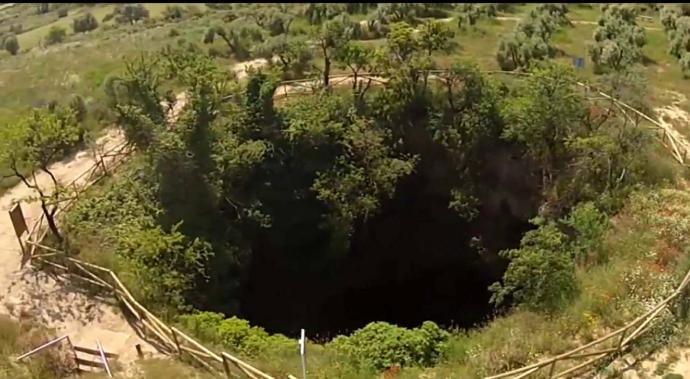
(259, 155)
(237, 179)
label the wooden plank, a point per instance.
(120, 296)
(94, 352)
(93, 276)
(90, 363)
(195, 352)
(42, 347)
(18, 220)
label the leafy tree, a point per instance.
(136, 99)
(390, 13)
(589, 225)
(31, 146)
(330, 36)
(130, 13)
(11, 44)
(55, 35)
(317, 13)
(239, 36)
(293, 54)
(366, 172)
(173, 13)
(434, 36)
(541, 273)
(544, 116)
(357, 58)
(274, 21)
(556, 11)
(469, 14)
(84, 23)
(529, 43)
(618, 40)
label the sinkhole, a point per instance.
(415, 260)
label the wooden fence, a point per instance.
(173, 340)
(168, 339)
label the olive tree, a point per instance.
(239, 35)
(618, 40)
(11, 44)
(55, 35)
(29, 148)
(85, 23)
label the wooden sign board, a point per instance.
(18, 221)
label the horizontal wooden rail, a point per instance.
(43, 347)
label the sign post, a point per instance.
(302, 343)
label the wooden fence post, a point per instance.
(177, 343)
(226, 366)
(552, 369)
(620, 342)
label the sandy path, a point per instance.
(52, 302)
(49, 301)
(579, 22)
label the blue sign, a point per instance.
(579, 62)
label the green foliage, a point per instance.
(294, 55)
(40, 138)
(11, 44)
(55, 35)
(85, 23)
(541, 273)
(470, 13)
(530, 42)
(130, 13)
(173, 13)
(618, 40)
(380, 345)
(78, 106)
(317, 13)
(234, 334)
(544, 114)
(435, 36)
(160, 267)
(589, 225)
(366, 172)
(239, 35)
(137, 101)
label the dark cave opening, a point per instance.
(415, 260)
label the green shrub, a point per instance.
(55, 35)
(589, 225)
(380, 345)
(234, 333)
(11, 44)
(85, 23)
(541, 273)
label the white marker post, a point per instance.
(302, 343)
